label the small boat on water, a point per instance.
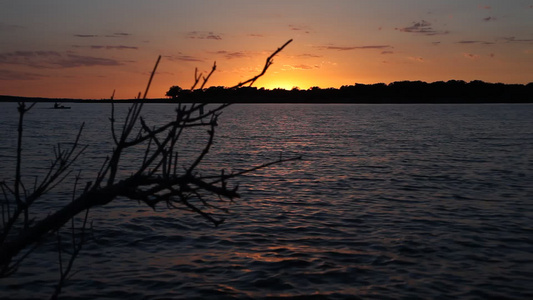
(57, 106)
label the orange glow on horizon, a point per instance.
(335, 43)
(286, 84)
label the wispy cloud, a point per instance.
(96, 47)
(72, 61)
(486, 7)
(471, 56)
(300, 67)
(112, 35)
(416, 59)
(475, 42)
(16, 75)
(232, 54)
(53, 59)
(489, 19)
(302, 28)
(182, 57)
(513, 39)
(422, 28)
(203, 35)
(119, 34)
(86, 35)
(309, 55)
(349, 48)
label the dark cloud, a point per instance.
(387, 52)
(256, 35)
(113, 35)
(27, 57)
(53, 59)
(302, 28)
(72, 61)
(203, 35)
(181, 57)
(423, 28)
(7, 75)
(232, 54)
(348, 48)
(473, 56)
(513, 39)
(475, 42)
(121, 47)
(489, 19)
(96, 47)
(119, 34)
(86, 35)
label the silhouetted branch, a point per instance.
(156, 179)
(268, 63)
(196, 78)
(151, 77)
(209, 75)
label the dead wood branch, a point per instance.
(268, 63)
(157, 177)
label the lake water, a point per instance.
(389, 202)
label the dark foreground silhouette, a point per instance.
(453, 91)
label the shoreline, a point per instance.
(411, 92)
(284, 100)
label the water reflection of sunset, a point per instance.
(388, 200)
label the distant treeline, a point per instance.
(453, 91)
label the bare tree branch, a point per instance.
(268, 63)
(156, 179)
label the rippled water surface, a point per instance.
(389, 202)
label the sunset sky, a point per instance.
(86, 49)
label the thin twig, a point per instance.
(268, 63)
